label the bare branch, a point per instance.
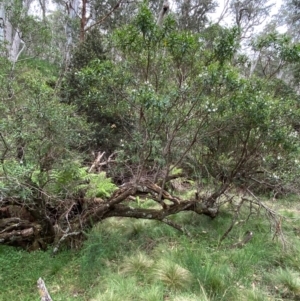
(63, 238)
(237, 212)
(96, 162)
(275, 219)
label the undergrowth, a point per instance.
(125, 259)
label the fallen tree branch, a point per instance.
(45, 296)
(9, 223)
(96, 162)
(26, 233)
(16, 235)
(275, 219)
(248, 236)
(236, 215)
(176, 226)
(63, 238)
(160, 191)
(14, 230)
(120, 196)
(109, 160)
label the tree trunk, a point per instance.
(10, 35)
(72, 10)
(2, 22)
(83, 20)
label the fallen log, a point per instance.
(14, 230)
(66, 221)
(16, 235)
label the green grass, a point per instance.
(289, 279)
(128, 259)
(20, 270)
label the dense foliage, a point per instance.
(135, 103)
(171, 98)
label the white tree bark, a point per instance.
(2, 23)
(254, 62)
(163, 13)
(45, 296)
(72, 10)
(5, 31)
(11, 37)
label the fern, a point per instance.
(72, 179)
(60, 181)
(13, 179)
(175, 171)
(98, 186)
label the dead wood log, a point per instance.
(63, 238)
(14, 229)
(115, 206)
(165, 195)
(17, 235)
(66, 224)
(45, 296)
(10, 223)
(97, 163)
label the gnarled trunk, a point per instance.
(40, 224)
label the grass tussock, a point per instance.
(253, 295)
(287, 282)
(139, 263)
(172, 275)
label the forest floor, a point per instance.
(126, 259)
